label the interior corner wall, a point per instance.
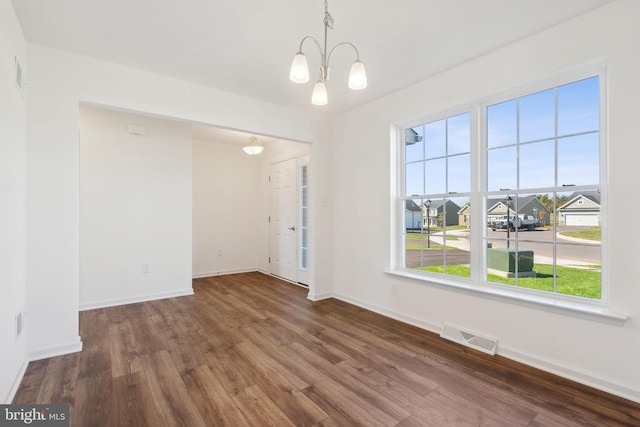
(58, 82)
(231, 205)
(12, 194)
(135, 208)
(599, 354)
(227, 220)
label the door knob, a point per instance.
(292, 228)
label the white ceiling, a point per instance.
(246, 46)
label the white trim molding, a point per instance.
(60, 350)
(133, 300)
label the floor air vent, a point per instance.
(470, 339)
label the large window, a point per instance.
(538, 187)
(437, 187)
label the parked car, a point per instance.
(527, 222)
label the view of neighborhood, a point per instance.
(521, 236)
(541, 206)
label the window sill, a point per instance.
(556, 305)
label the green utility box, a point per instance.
(502, 261)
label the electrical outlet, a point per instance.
(146, 269)
(394, 289)
(219, 252)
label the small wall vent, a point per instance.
(470, 339)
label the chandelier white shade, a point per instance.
(253, 148)
(299, 72)
(357, 76)
(299, 69)
(319, 95)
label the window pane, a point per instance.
(501, 168)
(502, 124)
(579, 160)
(459, 134)
(456, 237)
(459, 174)
(579, 107)
(414, 183)
(435, 139)
(537, 116)
(414, 144)
(435, 176)
(537, 167)
(578, 270)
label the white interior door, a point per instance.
(284, 220)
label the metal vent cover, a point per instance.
(470, 339)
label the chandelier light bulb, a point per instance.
(299, 69)
(357, 76)
(319, 96)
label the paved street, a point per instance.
(570, 252)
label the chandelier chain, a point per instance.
(328, 19)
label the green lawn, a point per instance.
(592, 233)
(569, 281)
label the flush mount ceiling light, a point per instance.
(300, 68)
(253, 148)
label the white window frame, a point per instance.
(595, 309)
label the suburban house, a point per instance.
(438, 213)
(520, 206)
(582, 209)
(530, 205)
(413, 216)
(127, 196)
(464, 215)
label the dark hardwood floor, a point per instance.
(251, 350)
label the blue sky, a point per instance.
(523, 129)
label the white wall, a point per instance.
(58, 82)
(12, 195)
(135, 208)
(597, 353)
(227, 208)
(231, 205)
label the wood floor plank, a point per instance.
(132, 403)
(215, 404)
(60, 380)
(259, 409)
(125, 356)
(169, 392)
(250, 349)
(95, 343)
(94, 407)
(294, 404)
(31, 382)
(346, 407)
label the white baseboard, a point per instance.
(16, 383)
(428, 326)
(320, 297)
(133, 300)
(226, 272)
(582, 377)
(61, 350)
(622, 390)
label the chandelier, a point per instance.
(300, 68)
(253, 148)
